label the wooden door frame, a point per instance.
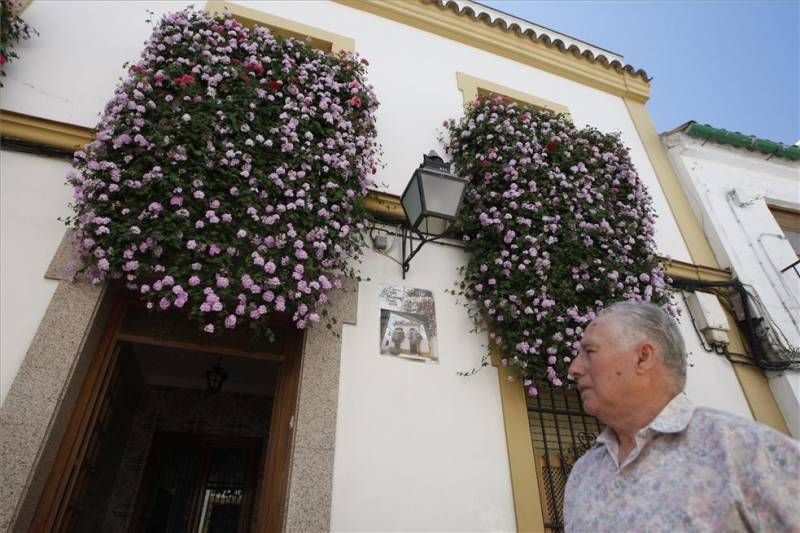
(57, 493)
(275, 475)
(57, 490)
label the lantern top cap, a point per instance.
(434, 160)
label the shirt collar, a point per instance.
(673, 418)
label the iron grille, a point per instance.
(199, 483)
(794, 266)
(561, 432)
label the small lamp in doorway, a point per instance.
(215, 377)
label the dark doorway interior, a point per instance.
(198, 483)
(172, 457)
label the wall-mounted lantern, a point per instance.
(431, 203)
(215, 378)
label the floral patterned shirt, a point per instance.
(693, 469)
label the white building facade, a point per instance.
(369, 442)
(748, 201)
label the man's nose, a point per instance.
(575, 367)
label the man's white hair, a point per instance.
(636, 321)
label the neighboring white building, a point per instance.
(357, 441)
(746, 193)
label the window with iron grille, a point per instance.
(561, 432)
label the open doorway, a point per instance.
(176, 432)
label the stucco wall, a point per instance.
(730, 190)
(710, 378)
(33, 195)
(418, 447)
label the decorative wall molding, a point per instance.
(37, 130)
(681, 269)
(472, 87)
(461, 27)
(321, 39)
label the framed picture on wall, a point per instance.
(408, 323)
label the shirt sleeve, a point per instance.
(769, 480)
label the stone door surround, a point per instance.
(37, 409)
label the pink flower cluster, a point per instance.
(228, 174)
(557, 224)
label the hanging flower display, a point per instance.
(228, 174)
(557, 224)
(12, 30)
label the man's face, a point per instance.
(603, 370)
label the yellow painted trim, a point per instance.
(317, 38)
(54, 134)
(506, 43)
(522, 466)
(472, 87)
(690, 228)
(679, 269)
(43, 131)
(754, 383)
(385, 205)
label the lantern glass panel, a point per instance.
(433, 225)
(412, 202)
(442, 194)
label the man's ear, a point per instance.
(647, 357)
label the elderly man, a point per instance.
(663, 464)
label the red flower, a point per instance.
(485, 162)
(552, 145)
(2, 59)
(255, 66)
(355, 101)
(183, 81)
(274, 85)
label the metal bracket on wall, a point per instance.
(408, 247)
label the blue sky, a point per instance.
(731, 64)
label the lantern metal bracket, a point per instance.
(408, 246)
